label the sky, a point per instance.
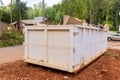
(32, 2)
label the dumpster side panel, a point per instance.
(89, 45)
(50, 47)
(36, 42)
(58, 47)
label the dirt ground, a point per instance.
(107, 67)
(10, 54)
(114, 45)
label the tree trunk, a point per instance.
(19, 14)
(43, 11)
(116, 19)
(0, 27)
(11, 13)
(90, 13)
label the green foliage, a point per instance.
(26, 12)
(110, 24)
(11, 39)
(115, 55)
(67, 7)
(107, 54)
(75, 8)
(5, 12)
(1, 44)
(53, 14)
(35, 11)
(100, 10)
(15, 12)
(103, 11)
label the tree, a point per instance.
(37, 9)
(6, 14)
(98, 11)
(75, 8)
(30, 13)
(52, 15)
(7, 9)
(18, 14)
(11, 12)
(18, 11)
(116, 10)
(0, 16)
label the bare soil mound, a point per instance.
(107, 67)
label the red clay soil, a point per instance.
(107, 67)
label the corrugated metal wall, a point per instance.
(89, 43)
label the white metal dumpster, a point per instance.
(67, 48)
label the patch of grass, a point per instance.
(11, 39)
(1, 44)
(107, 54)
(115, 55)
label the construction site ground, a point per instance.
(13, 67)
